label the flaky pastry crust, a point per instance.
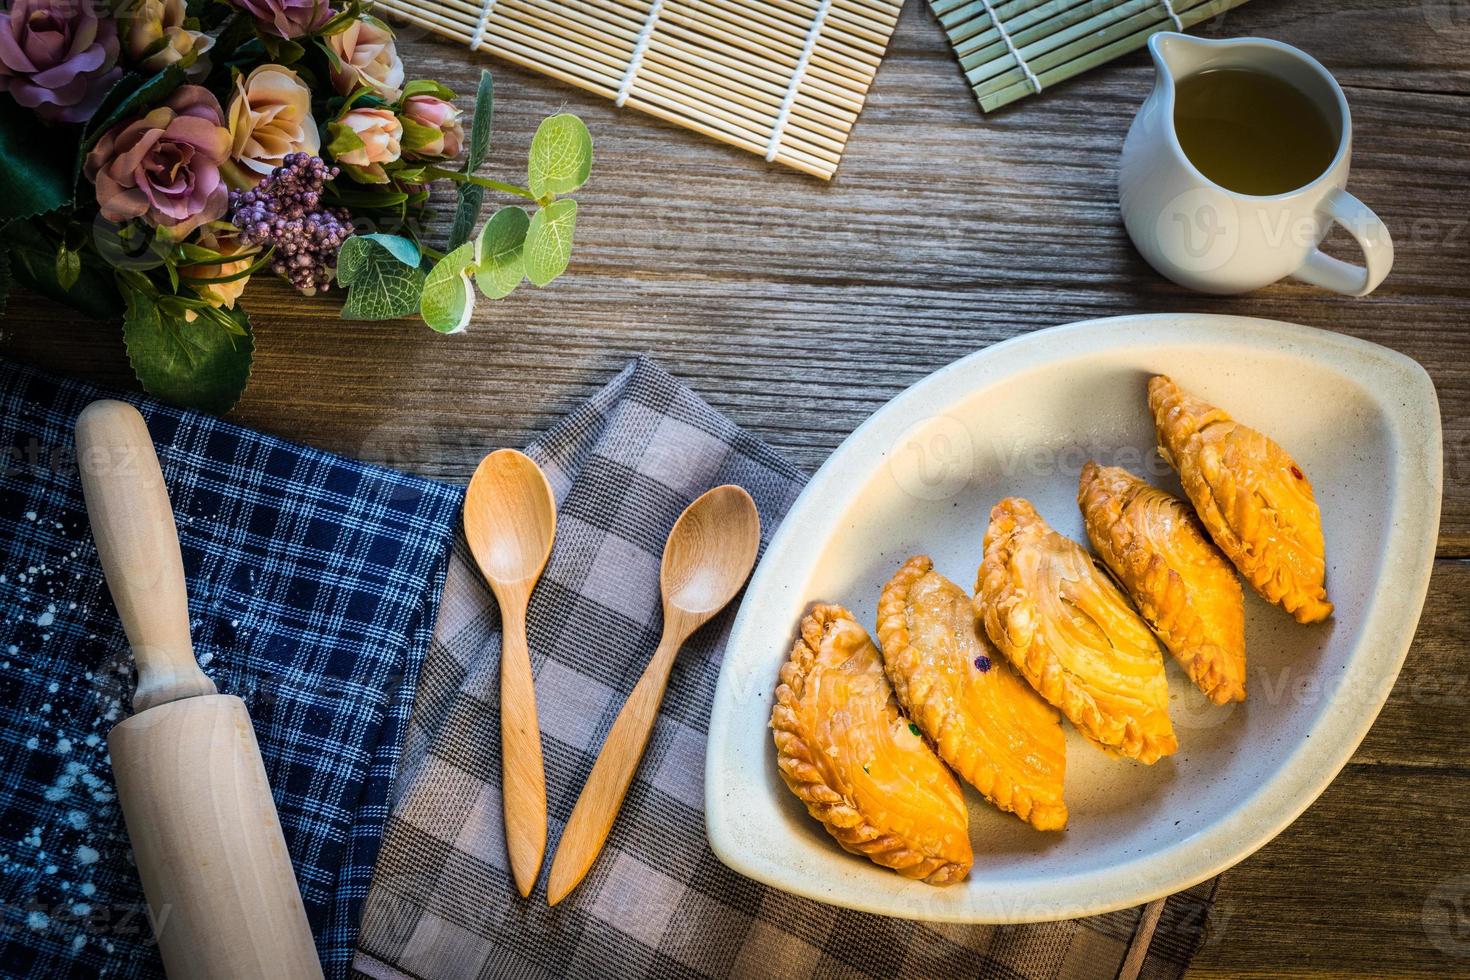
(986, 722)
(1185, 589)
(1072, 634)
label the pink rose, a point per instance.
(368, 57)
(431, 126)
(377, 139)
(270, 117)
(163, 167)
(57, 57)
(288, 18)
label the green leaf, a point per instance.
(344, 139)
(382, 276)
(425, 86)
(479, 145)
(344, 20)
(283, 51)
(416, 134)
(561, 155)
(448, 300)
(68, 267)
(257, 260)
(500, 253)
(35, 163)
(197, 365)
(466, 213)
(33, 264)
(549, 241)
(192, 254)
(364, 197)
(472, 196)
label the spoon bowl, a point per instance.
(509, 518)
(710, 551)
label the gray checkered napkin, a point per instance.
(657, 903)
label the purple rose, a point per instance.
(288, 18)
(163, 167)
(57, 57)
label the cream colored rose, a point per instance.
(155, 37)
(270, 116)
(368, 57)
(378, 134)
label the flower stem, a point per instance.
(436, 173)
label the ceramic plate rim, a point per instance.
(1378, 650)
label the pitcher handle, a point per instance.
(1321, 269)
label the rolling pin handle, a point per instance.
(138, 544)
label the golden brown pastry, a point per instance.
(858, 764)
(985, 721)
(1072, 634)
(1251, 496)
(1186, 590)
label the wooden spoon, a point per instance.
(509, 521)
(707, 559)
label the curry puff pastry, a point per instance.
(857, 763)
(1181, 583)
(1070, 632)
(1251, 496)
(985, 721)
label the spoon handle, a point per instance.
(592, 818)
(523, 785)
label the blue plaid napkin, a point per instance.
(314, 584)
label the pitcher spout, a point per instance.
(1177, 55)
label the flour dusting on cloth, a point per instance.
(313, 583)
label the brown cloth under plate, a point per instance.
(657, 903)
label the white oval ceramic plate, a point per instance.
(1021, 418)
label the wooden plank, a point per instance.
(1426, 721)
(1365, 883)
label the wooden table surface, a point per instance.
(799, 308)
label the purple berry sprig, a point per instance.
(284, 212)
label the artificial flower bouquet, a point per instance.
(157, 154)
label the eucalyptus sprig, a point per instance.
(389, 276)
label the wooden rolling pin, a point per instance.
(216, 874)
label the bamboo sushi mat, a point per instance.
(784, 79)
(1013, 49)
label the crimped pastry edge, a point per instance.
(843, 821)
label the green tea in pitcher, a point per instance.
(1251, 132)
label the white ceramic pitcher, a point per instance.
(1206, 237)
